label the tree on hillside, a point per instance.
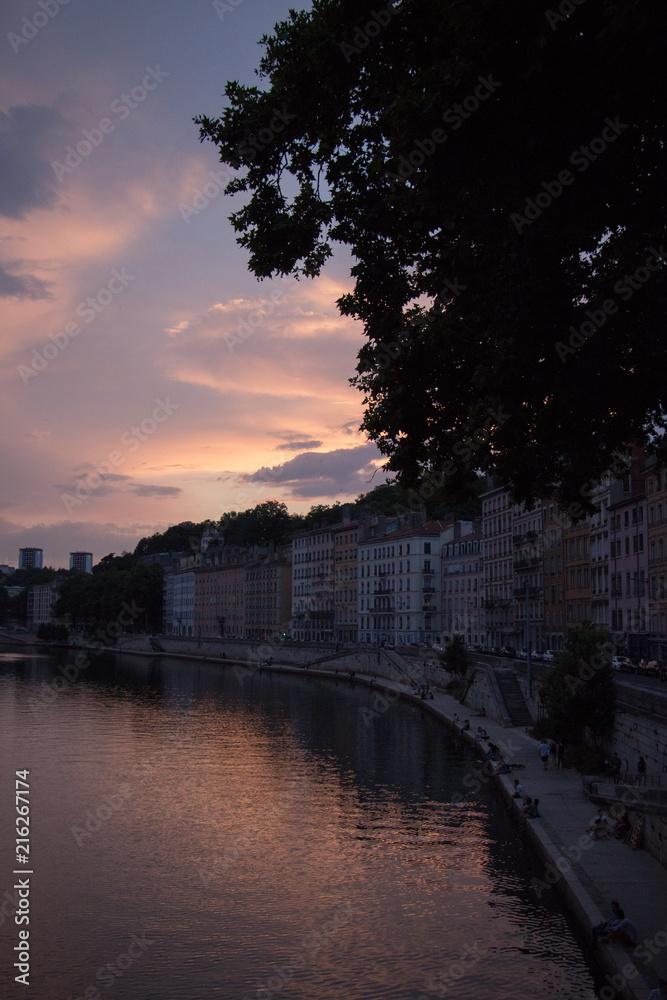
(497, 171)
(266, 522)
(578, 693)
(183, 537)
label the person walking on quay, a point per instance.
(560, 757)
(660, 993)
(543, 751)
(615, 766)
(641, 771)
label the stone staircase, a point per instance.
(515, 704)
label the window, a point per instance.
(427, 548)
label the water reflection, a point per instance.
(267, 841)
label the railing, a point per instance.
(429, 608)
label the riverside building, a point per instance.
(312, 585)
(462, 592)
(399, 580)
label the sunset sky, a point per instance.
(148, 378)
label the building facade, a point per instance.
(82, 562)
(268, 596)
(345, 540)
(656, 502)
(31, 558)
(41, 599)
(498, 540)
(462, 592)
(312, 585)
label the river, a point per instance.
(195, 833)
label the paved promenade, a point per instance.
(588, 873)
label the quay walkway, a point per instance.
(589, 874)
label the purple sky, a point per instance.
(148, 378)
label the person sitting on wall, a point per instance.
(614, 920)
(518, 790)
(660, 993)
(624, 932)
(527, 805)
(622, 826)
(597, 830)
(466, 725)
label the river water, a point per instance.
(197, 834)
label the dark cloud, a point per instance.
(146, 490)
(322, 474)
(22, 286)
(27, 180)
(298, 445)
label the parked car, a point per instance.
(549, 656)
(508, 651)
(522, 654)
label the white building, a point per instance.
(399, 572)
(179, 601)
(312, 585)
(462, 597)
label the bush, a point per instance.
(50, 632)
(585, 760)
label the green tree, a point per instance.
(497, 171)
(455, 657)
(578, 693)
(266, 522)
(4, 605)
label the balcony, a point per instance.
(429, 609)
(530, 563)
(428, 590)
(532, 592)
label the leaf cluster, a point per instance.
(464, 305)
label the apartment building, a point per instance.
(462, 589)
(399, 580)
(345, 540)
(497, 532)
(268, 595)
(312, 585)
(656, 529)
